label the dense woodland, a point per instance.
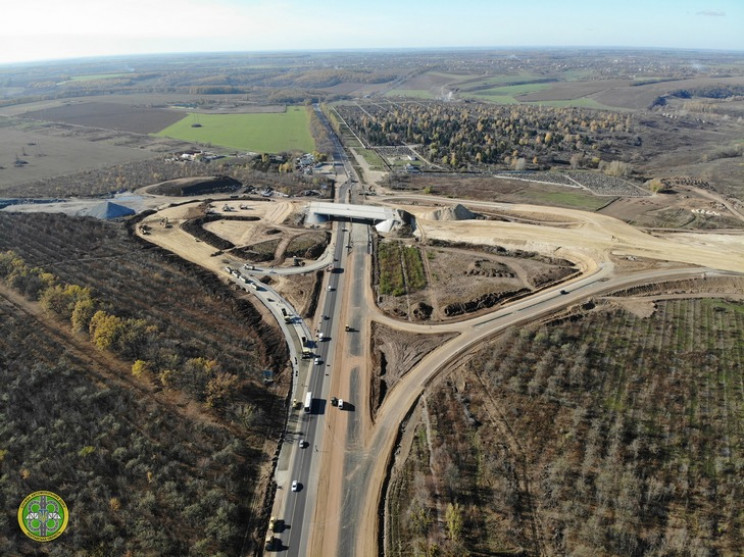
(455, 135)
(604, 435)
(119, 398)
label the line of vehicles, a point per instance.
(307, 406)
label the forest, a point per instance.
(478, 134)
(118, 399)
(609, 434)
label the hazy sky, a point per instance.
(49, 29)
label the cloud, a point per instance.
(712, 13)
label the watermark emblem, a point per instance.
(43, 516)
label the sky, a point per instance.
(53, 29)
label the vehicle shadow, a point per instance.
(319, 406)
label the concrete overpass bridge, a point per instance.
(384, 219)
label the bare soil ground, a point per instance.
(464, 282)
(681, 208)
(114, 116)
(298, 290)
(640, 307)
(394, 352)
(371, 177)
(47, 156)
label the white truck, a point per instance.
(308, 402)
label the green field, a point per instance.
(508, 93)
(581, 102)
(262, 133)
(497, 99)
(514, 90)
(373, 159)
(96, 77)
(500, 80)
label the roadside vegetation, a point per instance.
(602, 434)
(147, 366)
(401, 269)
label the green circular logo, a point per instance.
(43, 516)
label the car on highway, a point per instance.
(334, 401)
(318, 361)
(340, 403)
(330, 288)
(302, 443)
(295, 485)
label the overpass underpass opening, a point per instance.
(384, 219)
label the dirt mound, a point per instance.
(199, 185)
(485, 268)
(456, 212)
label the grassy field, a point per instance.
(507, 94)
(498, 99)
(96, 77)
(373, 159)
(262, 133)
(501, 80)
(582, 102)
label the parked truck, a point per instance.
(287, 317)
(306, 352)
